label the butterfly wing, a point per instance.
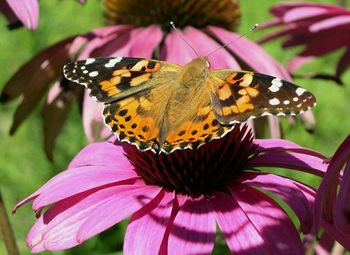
(130, 89)
(238, 96)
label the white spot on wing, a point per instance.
(113, 61)
(286, 102)
(275, 85)
(93, 74)
(274, 101)
(85, 71)
(300, 91)
(295, 99)
(89, 61)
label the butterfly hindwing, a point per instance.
(200, 129)
(239, 96)
(110, 79)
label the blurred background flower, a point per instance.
(130, 24)
(177, 200)
(320, 28)
(21, 13)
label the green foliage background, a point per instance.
(23, 166)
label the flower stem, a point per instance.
(6, 230)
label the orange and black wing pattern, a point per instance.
(237, 96)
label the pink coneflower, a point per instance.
(21, 12)
(178, 201)
(321, 28)
(332, 205)
(136, 29)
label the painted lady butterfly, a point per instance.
(161, 106)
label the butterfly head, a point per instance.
(197, 68)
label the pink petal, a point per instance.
(101, 37)
(274, 127)
(27, 11)
(116, 208)
(63, 223)
(298, 61)
(282, 8)
(55, 111)
(275, 226)
(298, 14)
(93, 120)
(204, 45)
(264, 145)
(27, 77)
(326, 195)
(331, 23)
(340, 237)
(173, 44)
(146, 228)
(193, 230)
(290, 160)
(344, 62)
(135, 42)
(102, 154)
(287, 191)
(250, 53)
(240, 234)
(34, 78)
(78, 180)
(308, 120)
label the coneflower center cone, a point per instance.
(197, 13)
(196, 172)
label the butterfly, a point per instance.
(161, 106)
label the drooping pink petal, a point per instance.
(102, 154)
(287, 191)
(308, 120)
(342, 205)
(62, 225)
(116, 208)
(93, 120)
(194, 229)
(25, 78)
(290, 160)
(301, 13)
(27, 11)
(250, 53)
(298, 61)
(274, 127)
(102, 36)
(34, 78)
(331, 23)
(344, 62)
(240, 234)
(55, 111)
(327, 192)
(281, 9)
(274, 225)
(146, 229)
(329, 44)
(341, 238)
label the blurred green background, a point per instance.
(23, 165)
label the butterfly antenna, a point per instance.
(226, 44)
(172, 24)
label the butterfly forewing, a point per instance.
(111, 79)
(238, 96)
